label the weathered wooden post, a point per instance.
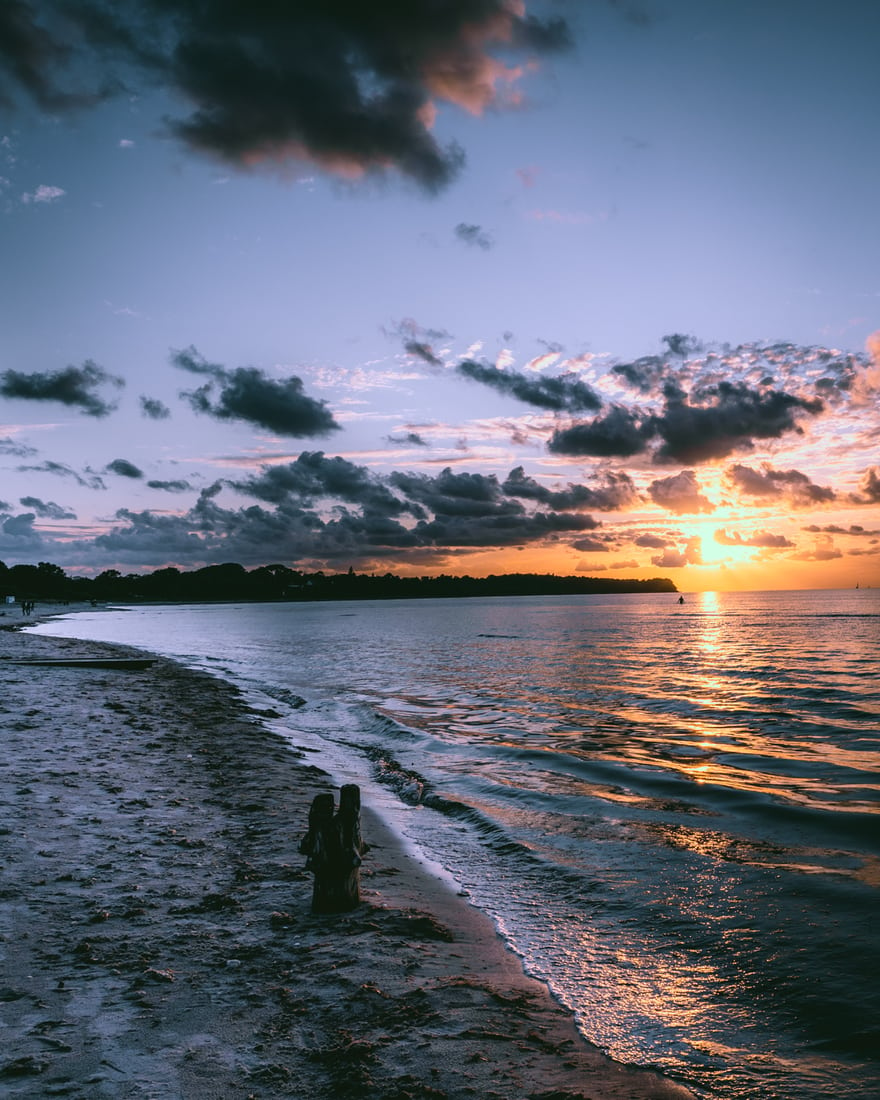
(334, 848)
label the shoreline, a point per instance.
(156, 938)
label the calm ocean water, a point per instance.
(672, 812)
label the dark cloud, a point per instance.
(751, 483)
(730, 415)
(794, 485)
(17, 534)
(411, 439)
(645, 374)
(88, 480)
(12, 447)
(698, 410)
(349, 86)
(46, 509)
(421, 350)
(314, 477)
(763, 539)
(473, 510)
(155, 409)
(373, 515)
(454, 495)
(680, 494)
(565, 393)
(124, 468)
(654, 542)
(834, 529)
(471, 514)
(590, 546)
(506, 526)
(31, 56)
(157, 539)
(247, 394)
(473, 236)
(73, 386)
(170, 486)
(614, 491)
(618, 434)
(681, 345)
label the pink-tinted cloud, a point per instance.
(762, 539)
(680, 494)
(690, 554)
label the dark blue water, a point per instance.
(670, 811)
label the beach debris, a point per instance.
(334, 847)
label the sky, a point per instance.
(465, 287)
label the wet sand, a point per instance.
(156, 938)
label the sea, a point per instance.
(671, 811)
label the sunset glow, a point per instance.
(508, 292)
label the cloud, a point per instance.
(644, 375)
(9, 446)
(682, 345)
(89, 480)
(43, 194)
(834, 529)
(17, 533)
(823, 549)
(421, 350)
(680, 494)
(730, 415)
(869, 487)
(614, 491)
(751, 483)
(247, 394)
(705, 412)
(473, 236)
(652, 541)
(46, 509)
(72, 386)
(690, 554)
(456, 494)
(124, 468)
(350, 87)
(618, 434)
(170, 486)
(407, 511)
(565, 393)
(763, 539)
(590, 546)
(427, 518)
(866, 382)
(154, 409)
(411, 439)
(800, 491)
(314, 477)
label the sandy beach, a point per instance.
(156, 938)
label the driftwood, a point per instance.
(334, 848)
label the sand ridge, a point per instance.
(156, 939)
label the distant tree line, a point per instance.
(231, 581)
